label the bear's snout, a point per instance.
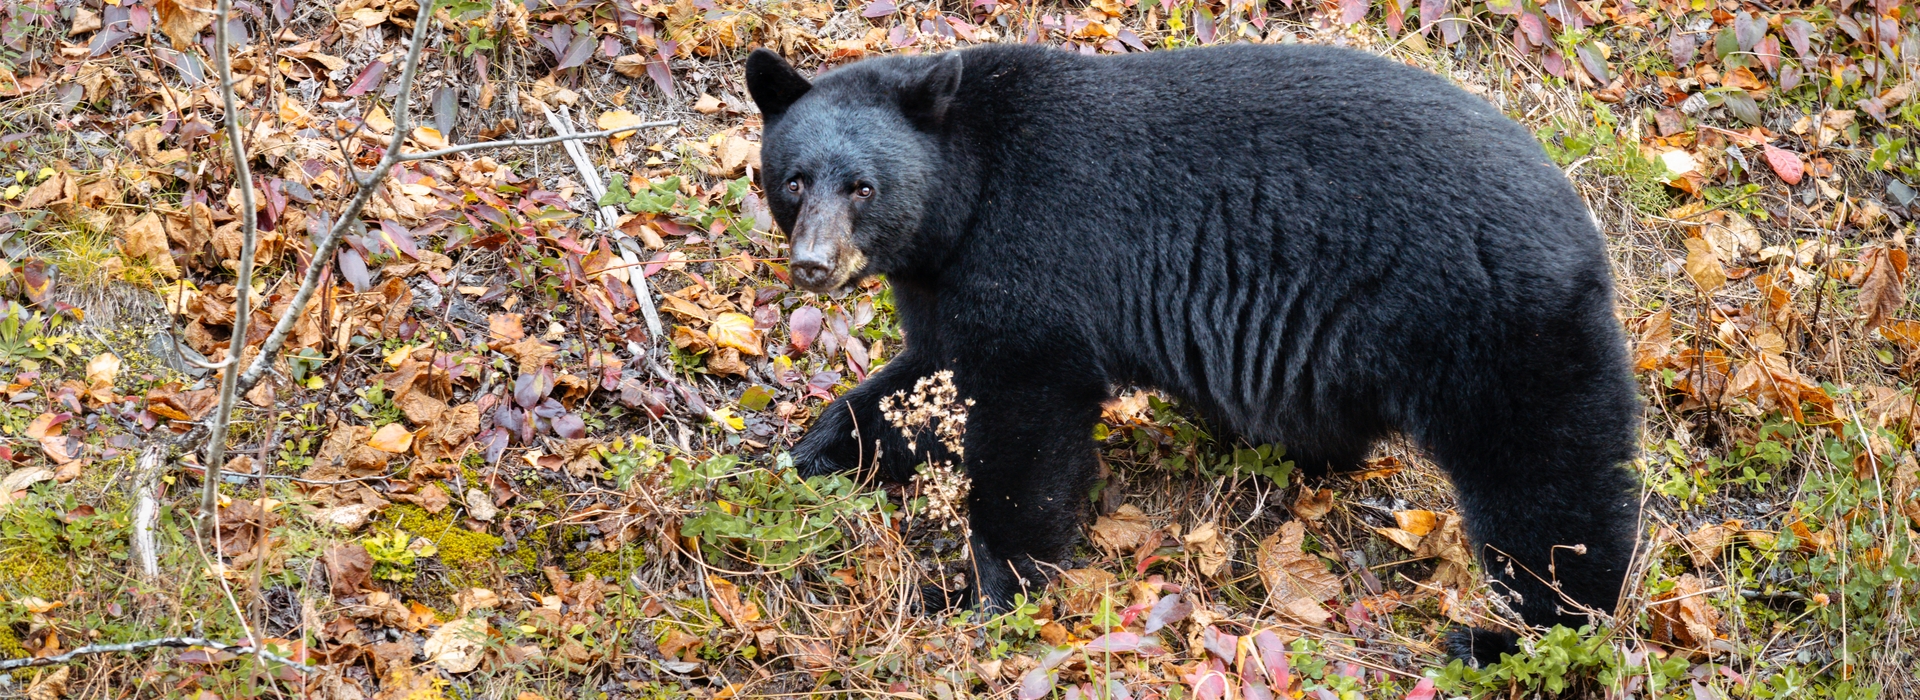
(812, 275)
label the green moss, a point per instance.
(10, 644)
(35, 574)
(458, 547)
(615, 565)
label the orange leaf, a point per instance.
(391, 437)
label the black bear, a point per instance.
(1310, 245)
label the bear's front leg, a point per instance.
(1031, 460)
(851, 433)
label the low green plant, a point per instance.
(394, 555)
(772, 518)
(27, 335)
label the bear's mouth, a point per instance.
(848, 262)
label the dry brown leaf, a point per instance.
(531, 354)
(1703, 266)
(1209, 548)
(1122, 532)
(183, 20)
(1313, 504)
(1654, 345)
(1290, 573)
(458, 646)
(50, 685)
(1704, 545)
(1882, 277)
(1684, 618)
(147, 238)
(1405, 539)
(732, 607)
(473, 599)
(348, 566)
(1448, 543)
(1081, 590)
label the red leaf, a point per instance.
(1352, 11)
(879, 8)
(1536, 31)
(1799, 33)
(1423, 690)
(657, 68)
(1785, 164)
(804, 326)
(368, 80)
(354, 269)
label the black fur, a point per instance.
(1311, 245)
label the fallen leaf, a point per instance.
(1313, 504)
(1703, 267)
(1705, 543)
(458, 645)
(1882, 276)
(102, 370)
(14, 485)
(183, 20)
(1209, 548)
(1785, 163)
(732, 607)
(1685, 618)
(473, 599)
(1122, 532)
(735, 330)
(50, 685)
(1448, 543)
(1292, 575)
(348, 566)
(617, 119)
(1418, 522)
(392, 438)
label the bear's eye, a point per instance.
(794, 185)
(864, 191)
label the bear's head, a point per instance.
(851, 161)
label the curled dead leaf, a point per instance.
(1122, 532)
(1296, 581)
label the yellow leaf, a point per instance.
(429, 137)
(616, 119)
(1703, 266)
(735, 330)
(391, 438)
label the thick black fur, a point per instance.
(1311, 245)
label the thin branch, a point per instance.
(515, 143)
(11, 664)
(350, 216)
(243, 274)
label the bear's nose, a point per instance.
(811, 274)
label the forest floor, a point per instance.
(475, 472)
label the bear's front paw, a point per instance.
(935, 600)
(1481, 647)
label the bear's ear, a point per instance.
(775, 86)
(926, 97)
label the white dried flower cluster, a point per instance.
(946, 490)
(935, 406)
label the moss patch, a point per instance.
(458, 547)
(31, 573)
(10, 644)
